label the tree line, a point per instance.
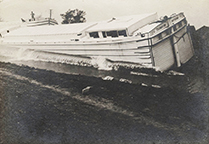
(73, 16)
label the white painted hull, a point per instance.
(127, 51)
(172, 49)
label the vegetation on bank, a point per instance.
(73, 16)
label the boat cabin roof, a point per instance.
(53, 29)
(130, 23)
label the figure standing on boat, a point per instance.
(32, 16)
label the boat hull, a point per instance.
(160, 44)
(162, 55)
(175, 50)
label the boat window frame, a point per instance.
(160, 36)
(175, 27)
(180, 24)
(113, 33)
(175, 18)
(168, 31)
(95, 34)
(161, 26)
(124, 33)
(104, 34)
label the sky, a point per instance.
(196, 11)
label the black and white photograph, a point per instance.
(104, 72)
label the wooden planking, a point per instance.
(185, 48)
(130, 59)
(142, 43)
(76, 46)
(115, 56)
(101, 53)
(131, 46)
(163, 55)
(116, 51)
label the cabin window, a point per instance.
(112, 33)
(174, 28)
(184, 21)
(157, 37)
(180, 24)
(94, 34)
(168, 31)
(174, 19)
(160, 36)
(104, 34)
(161, 26)
(164, 34)
(122, 33)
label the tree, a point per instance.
(73, 16)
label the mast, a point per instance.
(50, 15)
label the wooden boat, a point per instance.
(142, 40)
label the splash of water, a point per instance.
(101, 63)
(14, 54)
(19, 54)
